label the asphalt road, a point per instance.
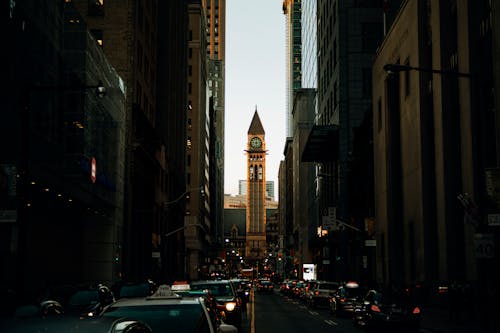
(275, 313)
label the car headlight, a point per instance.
(230, 306)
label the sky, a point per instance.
(255, 76)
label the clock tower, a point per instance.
(256, 192)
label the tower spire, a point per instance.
(256, 125)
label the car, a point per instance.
(228, 301)
(165, 310)
(61, 324)
(243, 289)
(387, 311)
(88, 300)
(321, 294)
(136, 289)
(265, 285)
(346, 298)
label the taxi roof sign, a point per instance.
(163, 291)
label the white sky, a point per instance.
(255, 76)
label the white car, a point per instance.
(166, 311)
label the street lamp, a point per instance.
(396, 68)
(200, 188)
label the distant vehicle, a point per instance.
(346, 298)
(265, 285)
(387, 311)
(321, 294)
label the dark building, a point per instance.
(62, 152)
(348, 35)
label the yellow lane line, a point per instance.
(252, 313)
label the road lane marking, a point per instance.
(314, 313)
(331, 322)
(252, 313)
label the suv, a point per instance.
(226, 297)
(322, 292)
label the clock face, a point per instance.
(255, 142)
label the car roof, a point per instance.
(143, 301)
(210, 282)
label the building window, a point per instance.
(190, 88)
(367, 82)
(190, 52)
(96, 7)
(190, 70)
(372, 34)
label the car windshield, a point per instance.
(353, 292)
(216, 289)
(165, 318)
(327, 286)
(135, 290)
(84, 297)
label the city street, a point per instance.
(270, 313)
(277, 313)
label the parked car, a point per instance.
(321, 294)
(227, 299)
(346, 298)
(165, 310)
(387, 311)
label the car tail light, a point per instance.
(375, 308)
(316, 293)
(342, 300)
(416, 310)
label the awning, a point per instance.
(322, 144)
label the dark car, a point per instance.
(321, 294)
(390, 311)
(243, 288)
(135, 289)
(226, 297)
(165, 311)
(61, 324)
(89, 301)
(264, 285)
(346, 298)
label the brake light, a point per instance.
(416, 310)
(342, 300)
(316, 293)
(375, 308)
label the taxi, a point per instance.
(166, 311)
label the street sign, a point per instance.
(494, 220)
(370, 242)
(484, 246)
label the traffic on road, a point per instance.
(225, 305)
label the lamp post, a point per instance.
(169, 254)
